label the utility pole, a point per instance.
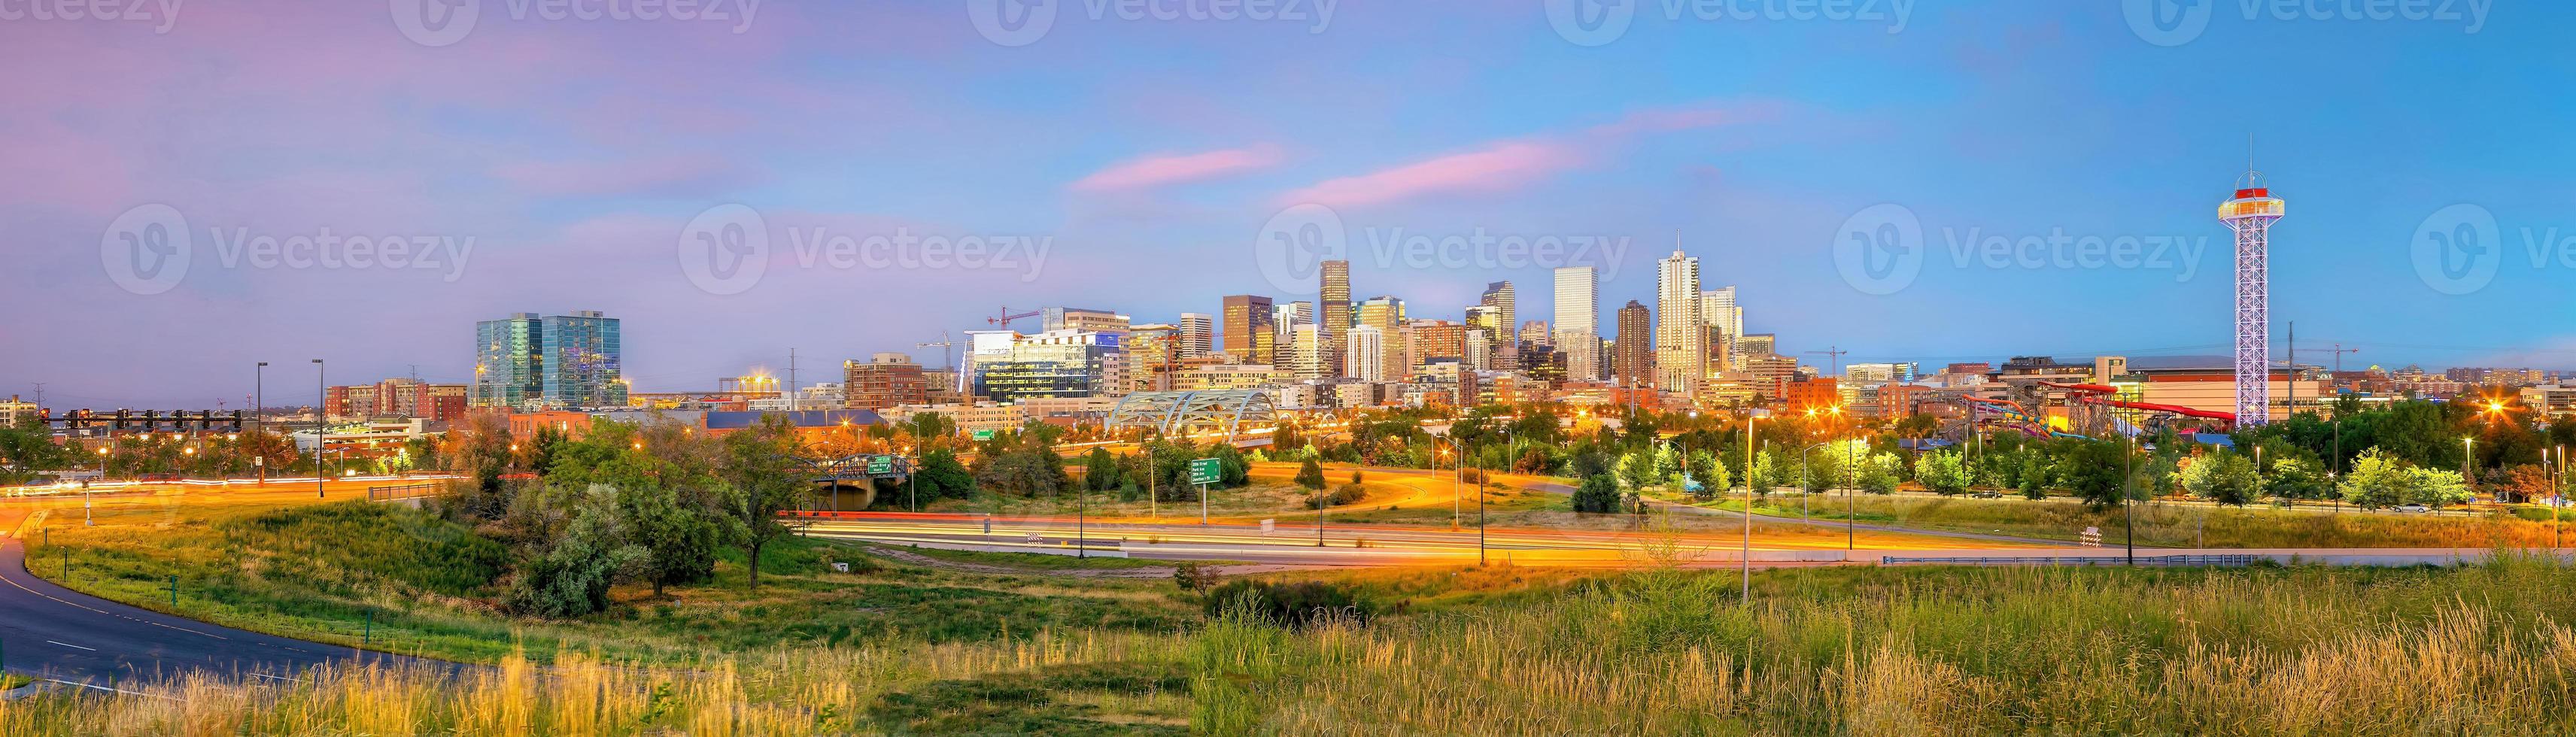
(321, 425)
(2293, 383)
(40, 395)
(2339, 350)
(791, 380)
(259, 421)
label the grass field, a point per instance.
(320, 571)
(2172, 525)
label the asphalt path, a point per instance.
(1561, 489)
(57, 634)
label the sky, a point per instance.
(192, 187)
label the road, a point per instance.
(1337, 545)
(55, 633)
(1561, 489)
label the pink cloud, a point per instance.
(1514, 163)
(1502, 166)
(1156, 171)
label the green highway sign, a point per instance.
(880, 464)
(982, 435)
(1205, 471)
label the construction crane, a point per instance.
(1836, 353)
(1007, 316)
(945, 344)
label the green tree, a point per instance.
(1099, 470)
(2095, 471)
(1944, 472)
(1763, 475)
(1639, 470)
(571, 576)
(2377, 480)
(762, 483)
(1597, 495)
(1310, 475)
(2223, 478)
(1878, 473)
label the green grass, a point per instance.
(2165, 524)
(9, 681)
(321, 571)
(1035, 561)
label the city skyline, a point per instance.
(1152, 209)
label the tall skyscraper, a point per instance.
(1636, 346)
(1720, 313)
(1306, 354)
(1246, 315)
(1498, 295)
(557, 361)
(1333, 308)
(1366, 353)
(1286, 316)
(1197, 335)
(1387, 315)
(1578, 325)
(1681, 342)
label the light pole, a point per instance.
(321, 423)
(259, 423)
(1745, 558)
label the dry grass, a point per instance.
(782, 692)
(2309, 651)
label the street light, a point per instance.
(259, 403)
(1745, 558)
(321, 422)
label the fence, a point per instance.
(2223, 561)
(404, 491)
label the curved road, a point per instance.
(55, 633)
(1561, 489)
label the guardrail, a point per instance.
(2219, 561)
(405, 491)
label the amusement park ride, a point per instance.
(2050, 409)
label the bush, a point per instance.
(1346, 494)
(1292, 605)
(1310, 475)
(1471, 475)
(1190, 577)
(1598, 494)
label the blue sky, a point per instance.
(1149, 156)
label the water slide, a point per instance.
(2028, 423)
(2096, 393)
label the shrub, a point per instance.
(1293, 605)
(1346, 494)
(1310, 475)
(1598, 494)
(1190, 577)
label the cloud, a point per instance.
(625, 176)
(1500, 166)
(1155, 171)
(1518, 162)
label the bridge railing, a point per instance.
(2220, 561)
(401, 491)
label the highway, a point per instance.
(57, 634)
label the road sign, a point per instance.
(2091, 537)
(880, 465)
(1205, 471)
(983, 435)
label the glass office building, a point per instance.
(553, 362)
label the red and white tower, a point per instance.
(2251, 214)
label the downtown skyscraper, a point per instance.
(555, 362)
(1634, 361)
(1334, 308)
(1578, 321)
(1499, 300)
(1681, 338)
(1248, 336)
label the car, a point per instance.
(2412, 508)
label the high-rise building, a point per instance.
(1064, 363)
(1438, 339)
(1498, 295)
(1366, 353)
(1245, 316)
(1387, 315)
(1577, 304)
(1305, 354)
(1285, 317)
(397, 397)
(1333, 308)
(557, 362)
(1198, 335)
(1720, 313)
(1535, 332)
(1075, 318)
(885, 380)
(1635, 361)
(1681, 342)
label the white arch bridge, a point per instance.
(1218, 411)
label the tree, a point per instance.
(762, 483)
(1944, 472)
(2377, 480)
(1310, 475)
(1099, 470)
(1878, 473)
(2223, 478)
(1639, 470)
(675, 531)
(573, 573)
(1763, 475)
(1598, 494)
(2297, 478)
(2095, 470)
(942, 477)
(1712, 474)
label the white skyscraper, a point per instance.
(1306, 352)
(1578, 321)
(1681, 337)
(1198, 334)
(1718, 311)
(1365, 357)
(1286, 316)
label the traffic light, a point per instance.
(122, 416)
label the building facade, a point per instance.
(557, 361)
(884, 380)
(1681, 343)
